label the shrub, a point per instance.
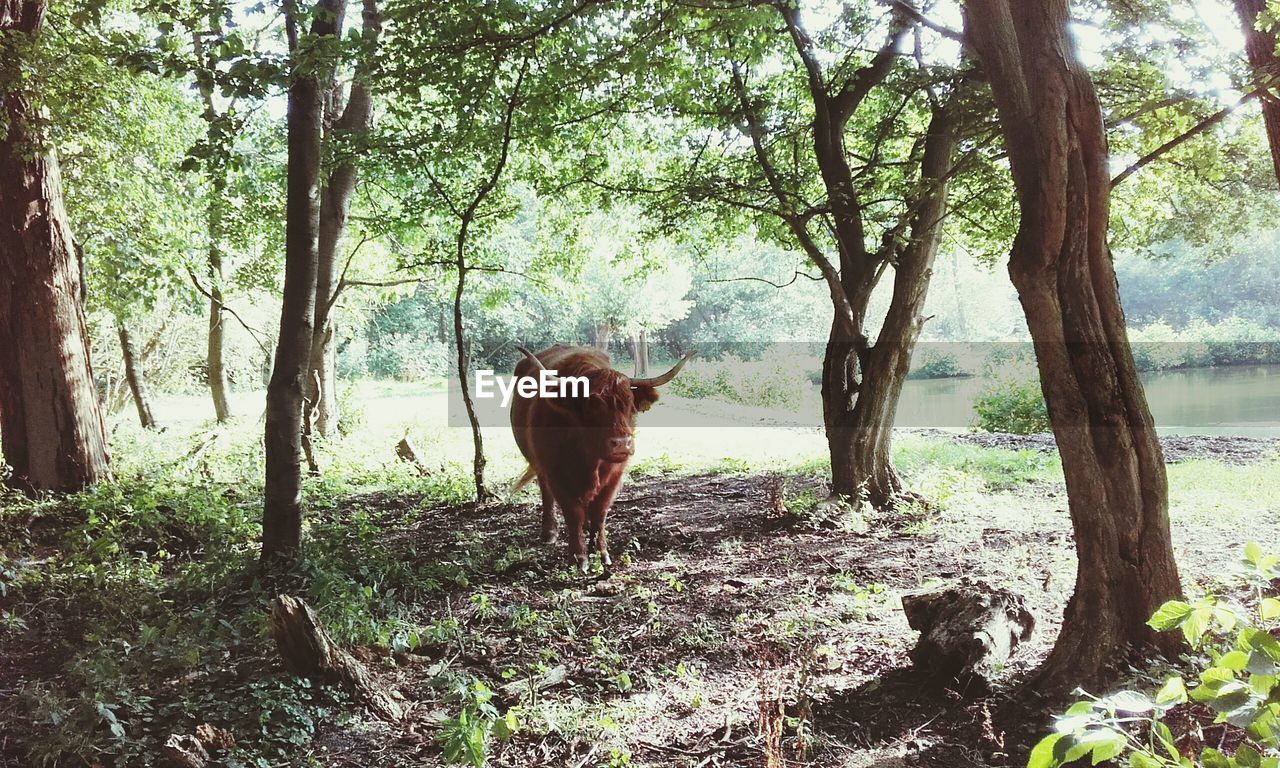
(1012, 406)
(1237, 693)
(936, 365)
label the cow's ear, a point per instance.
(644, 397)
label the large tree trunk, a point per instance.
(1260, 46)
(133, 374)
(282, 509)
(50, 420)
(1062, 269)
(335, 203)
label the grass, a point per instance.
(132, 611)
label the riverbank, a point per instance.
(1229, 449)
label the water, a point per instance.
(1229, 400)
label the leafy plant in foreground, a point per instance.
(1237, 693)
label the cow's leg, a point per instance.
(597, 511)
(574, 516)
(549, 526)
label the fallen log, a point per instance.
(308, 652)
(967, 630)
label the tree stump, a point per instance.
(405, 452)
(968, 630)
(309, 652)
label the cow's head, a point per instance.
(607, 415)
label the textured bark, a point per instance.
(335, 203)
(642, 353)
(282, 509)
(1061, 266)
(464, 385)
(308, 651)
(133, 374)
(1260, 47)
(50, 419)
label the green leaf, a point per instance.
(1170, 615)
(1248, 757)
(1212, 758)
(1042, 755)
(1252, 552)
(1269, 608)
(1129, 701)
(1235, 661)
(1173, 692)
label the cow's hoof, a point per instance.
(550, 537)
(604, 558)
(584, 565)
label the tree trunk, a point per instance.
(219, 386)
(860, 390)
(1061, 266)
(50, 420)
(215, 369)
(335, 203)
(282, 508)
(133, 374)
(1260, 46)
(600, 335)
(642, 353)
(460, 346)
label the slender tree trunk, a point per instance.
(1061, 266)
(335, 203)
(600, 334)
(1260, 47)
(460, 346)
(642, 353)
(215, 369)
(50, 420)
(283, 508)
(133, 374)
(219, 386)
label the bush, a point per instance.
(769, 384)
(1237, 694)
(936, 365)
(1012, 406)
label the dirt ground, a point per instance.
(731, 622)
(730, 631)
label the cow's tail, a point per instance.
(528, 475)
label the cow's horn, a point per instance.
(658, 381)
(532, 358)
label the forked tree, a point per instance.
(1061, 266)
(50, 421)
(283, 508)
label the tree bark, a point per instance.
(282, 509)
(133, 374)
(50, 419)
(1260, 47)
(1061, 267)
(335, 203)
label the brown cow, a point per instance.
(578, 447)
